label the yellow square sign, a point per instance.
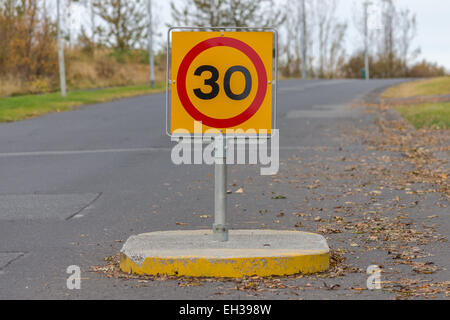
(223, 80)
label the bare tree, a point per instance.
(387, 40)
(248, 13)
(290, 43)
(395, 40)
(201, 13)
(367, 34)
(295, 54)
(336, 51)
(408, 31)
(89, 6)
(126, 22)
(394, 43)
(330, 36)
(226, 13)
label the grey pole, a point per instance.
(303, 40)
(150, 43)
(366, 40)
(220, 227)
(62, 70)
(92, 21)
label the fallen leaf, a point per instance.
(240, 190)
(334, 286)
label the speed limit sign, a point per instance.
(223, 79)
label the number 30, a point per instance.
(212, 82)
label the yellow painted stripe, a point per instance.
(229, 267)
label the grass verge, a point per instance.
(428, 87)
(427, 115)
(435, 115)
(29, 106)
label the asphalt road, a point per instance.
(74, 184)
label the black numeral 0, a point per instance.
(248, 83)
(212, 82)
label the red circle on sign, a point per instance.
(260, 93)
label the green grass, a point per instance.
(24, 107)
(428, 115)
(428, 87)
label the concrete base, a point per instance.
(248, 252)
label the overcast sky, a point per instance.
(433, 28)
(433, 19)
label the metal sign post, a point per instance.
(221, 84)
(220, 226)
(222, 78)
